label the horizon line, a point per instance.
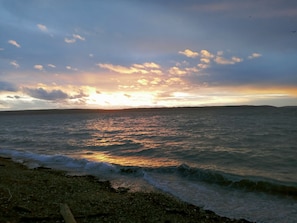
(61, 110)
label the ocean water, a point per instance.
(240, 162)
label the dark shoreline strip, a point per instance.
(145, 109)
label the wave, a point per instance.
(184, 172)
(61, 162)
(243, 183)
(250, 184)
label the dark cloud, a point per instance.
(126, 31)
(14, 97)
(80, 95)
(127, 95)
(43, 94)
(6, 86)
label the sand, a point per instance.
(36, 195)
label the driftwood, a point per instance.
(66, 213)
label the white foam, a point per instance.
(61, 162)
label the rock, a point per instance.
(122, 190)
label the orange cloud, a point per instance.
(177, 71)
(205, 60)
(152, 65)
(123, 69)
(144, 68)
(206, 54)
(189, 53)
(38, 67)
(143, 81)
(224, 61)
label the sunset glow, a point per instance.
(146, 54)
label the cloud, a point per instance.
(174, 81)
(177, 71)
(144, 68)
(156, 71)
(13, 97)
(127, 95)
(80, 95)
(206, 54)
(51, 65)
(202, 66)
(69, 40)
(220, 53)
(38, 67)
(122, 69)
(43, 94)
(75, 37)
(14, 43)
(205, 60)
(189, 53)
(15, 64)
(71, 68)
(6, 86)
(156, 81)
(143, 82)
(42, 27)
(191, 69)
(224, 61)
(151, 65)
(254, 55)
(236, 59)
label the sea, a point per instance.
(238, 161)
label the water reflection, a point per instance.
(137, 161)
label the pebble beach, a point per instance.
(36, 195)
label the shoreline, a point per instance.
(35, 195)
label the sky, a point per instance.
(58, 54)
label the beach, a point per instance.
(35, 195)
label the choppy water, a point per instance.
(240, 162)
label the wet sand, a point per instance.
(36, 195)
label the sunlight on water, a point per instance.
(132, 161)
